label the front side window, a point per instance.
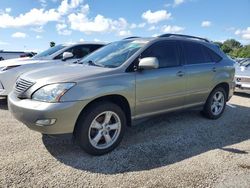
(114, 54)
(165, 51)
(50, 51)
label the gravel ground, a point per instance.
(175, 150)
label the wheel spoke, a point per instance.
(216, 109)
(219, 96)
(107, 138)
(220, 104)
(108, 116)
(97, 137)
(96, 125)
(113, 126)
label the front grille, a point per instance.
(22, 85)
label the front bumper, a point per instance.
(29, 111)
(244, 87)
(242, 84)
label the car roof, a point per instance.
(170, 36)
(180, 37)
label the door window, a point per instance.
(165, 51)
(198, 54)
(77, 51)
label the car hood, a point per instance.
(21, 61)
(242, 71)
(65, 73)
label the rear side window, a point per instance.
(213, 56)
(165, 51)
(195, 53)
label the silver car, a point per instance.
(242, 76)
(57, 55)
(126, 80)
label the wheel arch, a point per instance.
(117, 99)
(225, 86)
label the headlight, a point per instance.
(9, 67)
(52, 92)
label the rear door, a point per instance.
(164, 88)
(201, 69)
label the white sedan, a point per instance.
(10, 70)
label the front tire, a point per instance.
(100, 128)
(215, 104)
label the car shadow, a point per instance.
(3, 104)
(159, 141)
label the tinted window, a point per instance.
(165, 51)
(95, 47)
(213, 56)
(196, 53)
(77, 51)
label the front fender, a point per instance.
(120, 84)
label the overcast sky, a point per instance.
(32, 24)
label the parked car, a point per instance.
(63, 53)
(126, 80)
(242, 76)
(28, 54)
(4, 55)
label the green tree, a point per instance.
(52, 44)
(226, 49)
(234, 48)
(244, 52)
(232, 43)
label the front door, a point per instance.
(161, 89)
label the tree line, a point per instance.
(234, 48)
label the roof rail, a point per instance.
(134, 37)
(185, 36)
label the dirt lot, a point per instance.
(175, 150)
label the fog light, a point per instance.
(45, 122)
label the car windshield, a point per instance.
(114, 54)
(50, 51)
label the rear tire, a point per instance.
(215, 104)
(100, 128)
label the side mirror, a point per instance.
(67, 55)
(148, 63)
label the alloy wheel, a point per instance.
(218, 103)
(104, 130)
